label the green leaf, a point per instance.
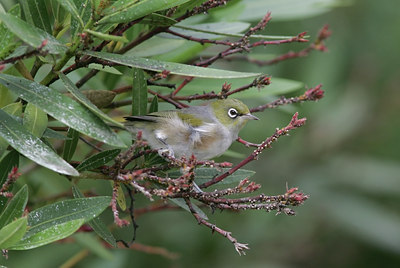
(181, 203)
(84, 10)
(6, 36)
(125, 11)
(212, 30)
(219, 29)
(7, 163)
(35, 12)
(155, 46)
(158, 20)
(57, 11)
(62, 108)
(49, 235)
(52, 134)
(108, 37)
(12, 233)
(154, 105)
(172, 67)
(70, 144)
(15, 208)
(12, 109)
(102, 68)
(70, 6)
(97, 224)
(65, 211)
(32, 147)
(32, 35)
(121, 198)
(89, 242)
(98, 160)
(139, 92)
(35, 120)
(203, 175)
(84, 100)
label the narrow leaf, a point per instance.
(84, 10)
(172, 67)
(97, 224)
(212, 30)
(88, 241)
(181, 203)
(52, 134)
(49, 235)
(32, 35)
(65, 211)
(62, 108)
(32, 147)
(218, 29)
(15, 207)
(125, 11)
(36, 14)
(158, 20)
(12, 233)
(121, 198)
(69, 5)
(85, 101)
(98, 160)
(108, 37)
(12, 109)
(154, 105)
(35, 120)
(6, 36)
(139, 92)
(70, 144)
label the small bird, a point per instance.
(204, 131)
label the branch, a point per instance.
(240, 248)
(259, 82)
(37, 51)
(312, 94)
(294, 123)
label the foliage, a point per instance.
(78, 73)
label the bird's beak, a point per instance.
(251, 117)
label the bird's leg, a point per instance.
(165, 152)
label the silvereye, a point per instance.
(205, 131)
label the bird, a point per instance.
(205, 131)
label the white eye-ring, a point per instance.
(233, 113)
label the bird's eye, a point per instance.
(233, 113)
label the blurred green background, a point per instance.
(347, 157)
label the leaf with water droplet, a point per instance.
(64, 109)
(12, 233)
(98, 160)
(35, 120)
(85, 101)
(15, 207)
(64, 211)
(97, 224)
(122, 11)
(172, 67)
(32, 147)
(32, 35)
(49, 235)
